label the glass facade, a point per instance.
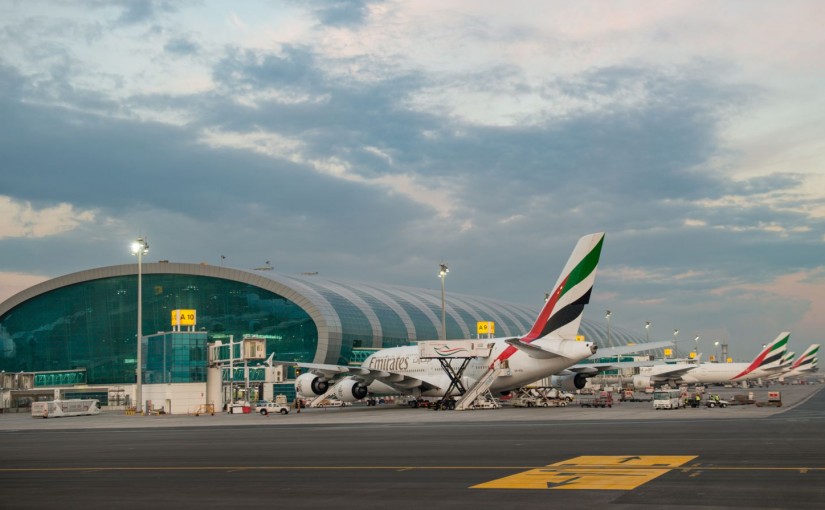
(178, 357)
(92, 325)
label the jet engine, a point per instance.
(350, 390)
(641, 382)
(571, 382)
(310, 385)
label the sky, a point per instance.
(372, 141)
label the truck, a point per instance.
(601, 399)
(60, 408)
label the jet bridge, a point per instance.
(445, 352)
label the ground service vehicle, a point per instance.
(59, 408)
(271, 407)
(523, 401)
(667, 399)
(603, 399)
(715, 401)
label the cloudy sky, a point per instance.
(374, 140)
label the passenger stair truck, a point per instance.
(479, 389)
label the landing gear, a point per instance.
(447, 404)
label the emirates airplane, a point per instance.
(805, 364)
(767, 363)
(551, 346)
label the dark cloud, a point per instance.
(182, 46)
(338, 13)
(136, 12)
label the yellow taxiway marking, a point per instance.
(592, 472)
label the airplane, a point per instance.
(806, 363)
(784, 367)
(766, 363)
(549, 347)
(575, 377)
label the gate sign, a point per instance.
(486, 328)
(184, 317)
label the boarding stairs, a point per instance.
(479, 389)
(315, 402)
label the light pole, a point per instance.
(696, 350)
(140, 248)
(442, 273)
(607, 317)
(675, 345)
(647, 331)
(716, 344)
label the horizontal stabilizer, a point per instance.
(534, 351)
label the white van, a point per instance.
(667, 399)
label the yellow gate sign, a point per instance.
(486, 328)
(184, 317)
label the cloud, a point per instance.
(21, 219)
(373, 139)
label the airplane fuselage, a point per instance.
(520, 368)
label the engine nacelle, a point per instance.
(310, 385)
(571, 382)
(641, 382)
(350, 390)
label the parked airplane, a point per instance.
(549, 347)
(806, 363)
(575, 377)
(766, 363)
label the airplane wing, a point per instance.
(591, 369)
(631, 349)
(366, 375)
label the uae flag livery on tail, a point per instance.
(770, 356)
(562, 313)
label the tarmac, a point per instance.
(792, 396)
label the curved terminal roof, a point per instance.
(337, 306)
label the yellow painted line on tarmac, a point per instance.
(261, 468)
(592, 473)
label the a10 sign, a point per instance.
(184, 317)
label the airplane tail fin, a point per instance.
(562, 312)
(807, 358)
(770, 356)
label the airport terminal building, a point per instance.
(75, 335)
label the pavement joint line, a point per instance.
(696, 470)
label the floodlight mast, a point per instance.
(442, 273)
(140, 248)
